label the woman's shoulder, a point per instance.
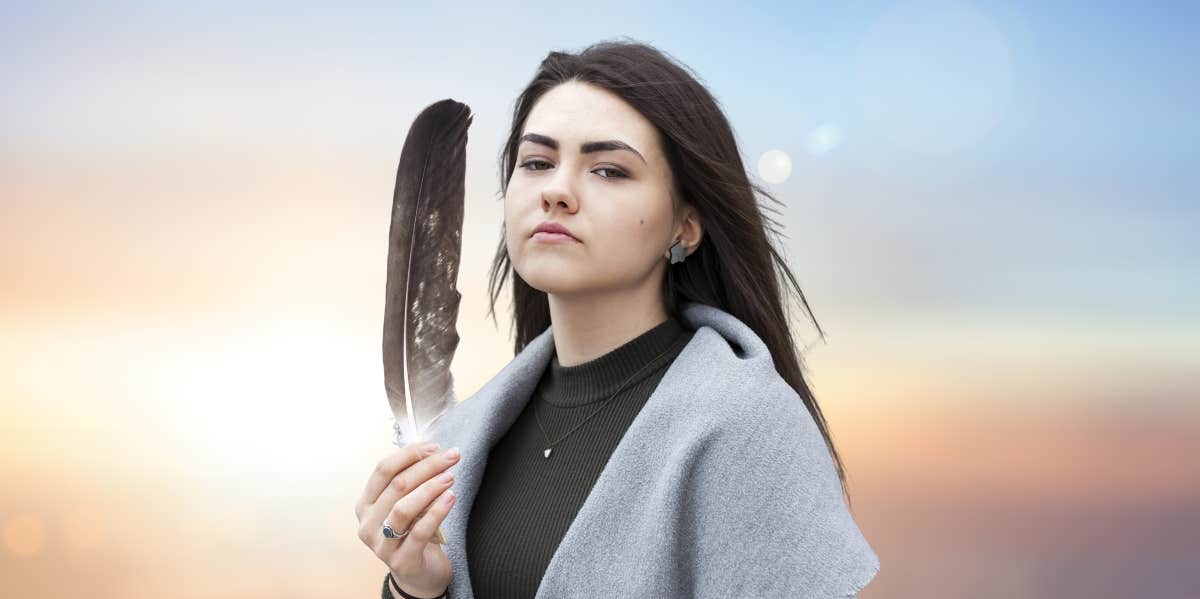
(740, 402)
(760, 438)
(735, 380)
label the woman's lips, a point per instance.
(546, 237)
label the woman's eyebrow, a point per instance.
(584, 148)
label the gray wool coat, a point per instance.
(721, 487)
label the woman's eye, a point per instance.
(613, 173)
(531, 162)
(618, 175)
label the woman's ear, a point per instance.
(689, 232)
(691, 229)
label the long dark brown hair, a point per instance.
(737, 266)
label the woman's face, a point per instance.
(615, 202)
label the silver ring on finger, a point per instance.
(390, 532)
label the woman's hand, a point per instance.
(405, 491)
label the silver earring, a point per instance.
(678, 253)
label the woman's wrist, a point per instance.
(395, 587)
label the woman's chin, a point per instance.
(554, 278)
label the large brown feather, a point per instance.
(424, 247)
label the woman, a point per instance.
(654, 435)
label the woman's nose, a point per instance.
(556, 196)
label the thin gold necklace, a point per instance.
(550, 445)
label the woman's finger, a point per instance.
(386, 470)
(411, 551)
(405, 482)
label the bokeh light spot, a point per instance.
(775, 166)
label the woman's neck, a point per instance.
(589, 326)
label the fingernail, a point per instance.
(429, 448)
(445, 477)
(451, 454)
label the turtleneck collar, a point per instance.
(599, 378)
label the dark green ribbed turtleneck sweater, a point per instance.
(527, 501)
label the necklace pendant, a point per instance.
(547, 452)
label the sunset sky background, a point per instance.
(992, 212)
